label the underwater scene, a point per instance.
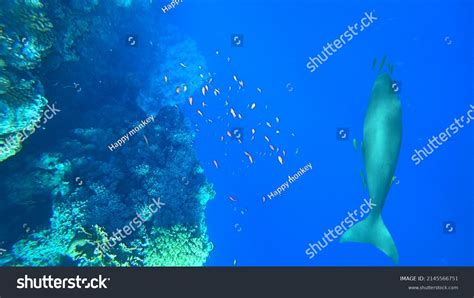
(140, 133)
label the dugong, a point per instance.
(380, 148)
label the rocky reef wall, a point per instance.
(66, 195)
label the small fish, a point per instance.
(222, 138)
(280, 159)
(233, 112)
(253, 106)
(253, 131)
(241, 84)
(185, 88)
(277, 120)
(239, 115)
(146, 140)
(216, 92)
(249, 156)
(166, 79)
(204, 104)
(354, 143)
(267, 139)
(232, 199)
(217, 52)
(200, 113)
(277, 131)
(235, 262)
(226, 103)
(201, 75)
(229, 134)
(259, 90)
(228, 59)
(235, 78)
(284, 153)
(268, 124)
(263, 199)
(190, 100)
(216, 163)
(182, 65)
(178, 90)
(271, 147)
(207, 88)
(203, 90)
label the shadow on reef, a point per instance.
(66, 193)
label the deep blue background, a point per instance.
(436, 86)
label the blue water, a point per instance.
(431, 47)
(429, 43)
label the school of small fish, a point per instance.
(237, 104)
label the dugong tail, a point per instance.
(372, 230)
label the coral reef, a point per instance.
(184, 69)
(177, 246)
(32, 31)
(85, 215)
(47, 247)
(63, 202)
(25, 38)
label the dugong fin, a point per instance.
(372, 230)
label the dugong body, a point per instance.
(380, 148)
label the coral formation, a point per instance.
(177, 246)
(62, 203)
(184, 68)
(25, 38)
(84, 216)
